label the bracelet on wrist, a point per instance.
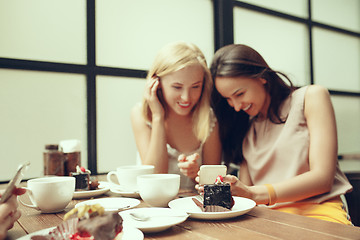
(272, 194)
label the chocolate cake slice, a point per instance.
(82, 178)
(218, 194)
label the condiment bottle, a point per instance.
(71, 150)
(72, 159)
(53, 160)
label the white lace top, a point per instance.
(173, 154)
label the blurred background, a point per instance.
(72, 69)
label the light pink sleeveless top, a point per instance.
(277, 152)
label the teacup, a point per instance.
(50, 194)
(127, 176)
(158, 190)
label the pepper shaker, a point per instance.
(53, 160)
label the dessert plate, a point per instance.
(160, 218)
(116, 189)
(102, 188)
(130, 233)
(112, 204)
(241, 206)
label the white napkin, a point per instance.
(68, 146)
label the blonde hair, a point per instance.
(171, 58)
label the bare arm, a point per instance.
(150, 142)
(320, 118)
(244, 174)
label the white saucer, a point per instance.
(118, 190)
(115, 192)
(130, 233)
(241, 206)
(102, 188)
(160, 219)
(112, 204)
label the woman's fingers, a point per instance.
(199, 188)
(150, 86)
(188, 167)
(197, 178)
(11, 219)
(154, 86)
(230, 179)
(8, 215)
(8, 207)
(182, 158)
(19, 191)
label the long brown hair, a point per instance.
(239, 60)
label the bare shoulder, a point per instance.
(136, 113)
(317, 101)
(316, 91)
(136, 109)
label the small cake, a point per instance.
(95, 223)
(218, 194)
(82, 178)
(91, 223)
(94, 183)
(104, 227)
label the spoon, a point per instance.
(144, 217)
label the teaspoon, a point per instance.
(144, 217)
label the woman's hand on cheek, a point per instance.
(237, 187)
(151, 96)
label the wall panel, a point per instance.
(42, 30)
(39, 108)
(284, 52)
(115, 141)
(130, 33)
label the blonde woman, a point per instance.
(174, 127)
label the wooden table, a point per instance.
(259, 223)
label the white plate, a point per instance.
(112, 204)
(160, 219)
(241, 206)
(103, 188)
(130, 233)
(116, 189)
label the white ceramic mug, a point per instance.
(127, 176)
(158, 190)
(50, 194)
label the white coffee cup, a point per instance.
(158, 190)
(127, 176)
(50, 194)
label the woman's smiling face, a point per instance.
(243, 93)
(182, 89)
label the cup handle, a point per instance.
(31, 196)
(108, 176)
